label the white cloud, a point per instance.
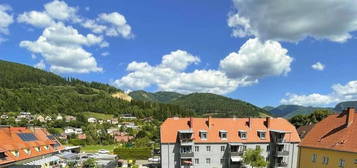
(256, 60)
(104, 54)
(5, 18)
(294, 20)
(111, 24)
(40, 65)
(339, 93)
(318, 66)
(35, 18)
(171, 75)
(61, 47)
(60, 10)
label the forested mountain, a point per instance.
(220, 106)
(24, 88)
(343, 105)
(288, 111)
(162, 97)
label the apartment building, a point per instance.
(331, 143)
(221, 142)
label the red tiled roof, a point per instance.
(333, 133)
(171, 126)
(10, 141)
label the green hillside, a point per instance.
(207, 103)
(288, 111)
(24, 88)
(162, 97)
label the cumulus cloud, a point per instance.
(256, 60)
(110, 24)
(40, 65)
(62, 47)
(318, 66)
(60, 10)
(339, 93)
(6, 19)
(293, 21)
(35, 18)
(171, 75)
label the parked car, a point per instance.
(154, 159)
(103, 151)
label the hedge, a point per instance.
(133, 153)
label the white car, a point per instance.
(154, 159)
(103, 151)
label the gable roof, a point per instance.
(171, 126)
(11, 141)
(334, 133)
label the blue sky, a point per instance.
(224, 47)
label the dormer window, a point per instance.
(223, 134)
(38, 149)
(2, 155)
(46, 147)
(203, 134)
(242, 134)
(261, 134)
(27, 151)
(15, 153)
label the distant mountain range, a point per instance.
(203, 103)
(288, 111)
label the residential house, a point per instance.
(92, 120)
(24, 115)
(114, 121)
(71, 130)
(221, 142)
(122, 137)
(128, 117)
(70, 118)
(40, 118)
(59, 117)
(20, 145)
(331, 143)
(81, 136)
(4, 116)
(48, 118)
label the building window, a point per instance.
(208, 148)
(242, 134)
(261, 134)
(2, 155)
(27, 151)
(46, 147)
(341, 163)
(203, 134)
(325, 160)
(268, 148)
(257, 147)
(15, 153)
(223, 134)
(197, 148)
(244, 148)
(38, 149)
(314, 157)
(208, 160)
(222, 161)
(223, 148)
(197, 161)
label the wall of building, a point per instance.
(170, 155)
(305, 158)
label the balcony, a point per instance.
(282, 153)
(187, 155)
(281, 165)
(186, 142)
(239, 153)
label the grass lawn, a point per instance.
(99, 115)
(95, 148)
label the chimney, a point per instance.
(267, 122)
(209, 121)
(249, 122)
(349, 116)
(191, 122)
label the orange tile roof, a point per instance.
(171, 126)
(333, 133)
(10, 141)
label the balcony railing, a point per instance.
(239, 153)
(187, 154)
(282, 153)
